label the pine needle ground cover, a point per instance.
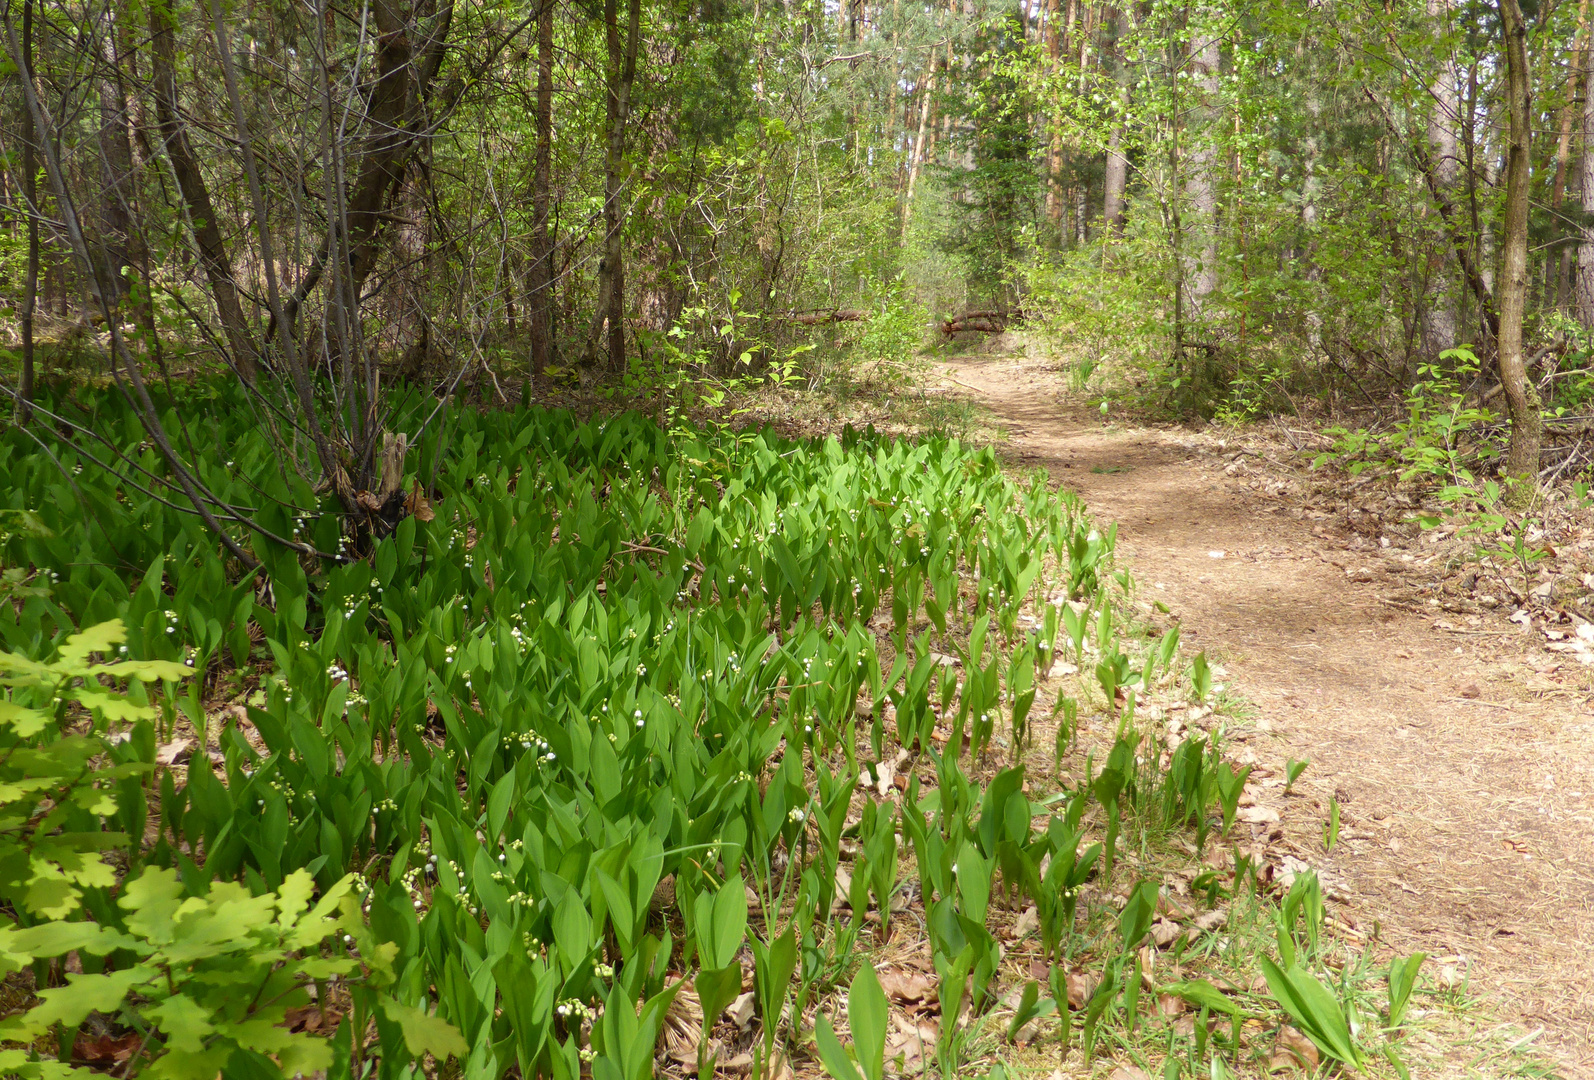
(627, 749)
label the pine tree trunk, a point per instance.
(1585, 254)
(1522, 458)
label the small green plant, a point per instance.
(1315, 1010)
(1402, 980)
(1427, 442)
(868, 1015)
(1331, 828)
(1200, 678)
(1292, 772)
(721, 924)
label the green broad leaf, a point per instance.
(716, 989)
(152, 900)
(424, 1032)
(831, 1053)
(868, 1013)
(49, 893)
(294, 897)
(730, 921)
(1135, 919)
(1026, 1010)
(114, 707)
(1203, 994)
(184, 1022)
(320, 922)
(55, 938)
(178, 1065)
(20, 1064)
(1315, 1010)
(1402, 980)
(71, 1004)
(96, 639)
(24, 723)
(144, 670)
(572, 931)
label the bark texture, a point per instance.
(1527, 426)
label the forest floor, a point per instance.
(1461, 756)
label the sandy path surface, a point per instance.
(1467, 823)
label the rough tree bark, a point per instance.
(409, 53)
(191, 184)
(1522, 404)
(30, 193)
(1585, 252)
(621, 73)
(1053, 44)
(1115, 177)
(540, 306)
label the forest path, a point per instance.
(1463, 832)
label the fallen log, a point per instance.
(992, 321)
(823, 318)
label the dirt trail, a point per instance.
(1467, 825)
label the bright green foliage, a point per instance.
(1402, 980)
(55, 786)
(617, 655)
(209, 977)
(868, 1014)
(1315, 1010)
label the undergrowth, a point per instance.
(625, 738)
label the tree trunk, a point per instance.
(1555, 261)
(1115, 177)
(1311, 192)
(30, 196)
(1585, 252)
(611, 269)
(116, 171)
(407, 61)
(539, 309)
(1522, 458)
(202, 221)
(1439, 322)
(1054, 142)
(1201, 184)
(916, 162)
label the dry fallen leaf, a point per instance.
(906, 985)
(1164, 932)
(107, 1049)
(741, 1011)
(175, 752)
(911, 1041)
(1028, 923)
(418, 506)
(1129, 1072)
(1170, 1004)
(1080, 987)
(1292, 1048)
(1257, 815)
